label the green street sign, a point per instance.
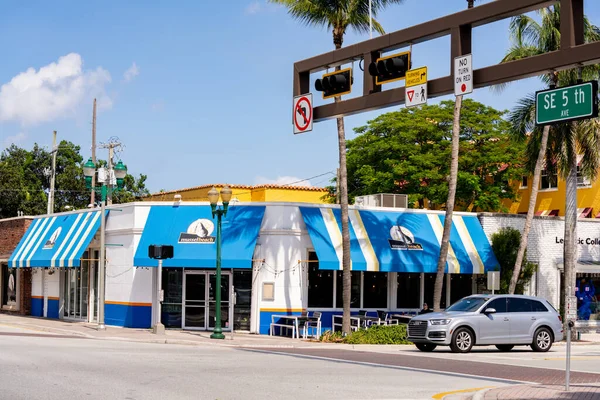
(568, 103)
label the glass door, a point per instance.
(76, 291)
(194, 310)
(225, 300)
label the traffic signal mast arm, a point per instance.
(573, 52)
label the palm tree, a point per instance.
(452, 181)
(561, 143)
(339, 16)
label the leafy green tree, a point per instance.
(339, 16)
(560, 143)
(25, 181)
(504, 244)
(407, 152)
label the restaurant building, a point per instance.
(276, 257)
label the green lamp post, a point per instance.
(107, 188)
(213, 198)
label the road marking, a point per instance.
(400, 367)
(574, 358)
(443, 394)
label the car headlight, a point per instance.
(440, 321)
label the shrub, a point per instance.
(390, 334)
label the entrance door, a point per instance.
(199, 298)
(76, 291)
(194, 294)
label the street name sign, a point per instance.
(463, 75)
(416, 87)
(303, 113)
(569, 103)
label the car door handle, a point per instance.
(533, 318)
(506, 318)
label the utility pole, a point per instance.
(93, 198)
(106, 199)
(50, 209)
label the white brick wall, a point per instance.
(545, 249)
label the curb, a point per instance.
(480, 395)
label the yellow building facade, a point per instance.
(247, 193)
(551, 196)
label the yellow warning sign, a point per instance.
(416, 77)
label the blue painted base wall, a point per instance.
(37, 307)
(128, 316)
(52, 308)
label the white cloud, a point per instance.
(283, 180)
(131, 72)
(253, 8)
(52, 92)
(16, 139)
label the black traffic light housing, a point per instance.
(160, 252)
(335, 83)
(391, 68)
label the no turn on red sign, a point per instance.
(463, 75)
(303, 113)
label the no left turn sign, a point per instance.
(303, 113)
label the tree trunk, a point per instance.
(445, 244)
(530, 211)
(343, 196)
(570, 245)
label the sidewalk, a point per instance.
(198, 338)
(577, 391)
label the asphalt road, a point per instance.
(35, 365)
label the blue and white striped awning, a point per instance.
(399, 241)
(56, 241)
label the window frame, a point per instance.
(545, 175)
(525, 179)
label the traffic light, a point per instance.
(335, 83)
(391, 68)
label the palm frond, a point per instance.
(522, 117)
(524, 30)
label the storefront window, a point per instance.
(354, 292)
(429, 285)
(461, 285)
(409, 290)
(375, 287)
(9, 286)
(172, 284)
(587, 290)
(320, 284)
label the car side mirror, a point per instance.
(489, 311)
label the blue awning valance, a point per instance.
(56, 241)
(398, 241)
(191, 230)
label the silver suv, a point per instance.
(480, 320)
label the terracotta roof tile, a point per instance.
(249, 187)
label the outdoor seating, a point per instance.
(384, 319)
(306, 323)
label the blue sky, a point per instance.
(200, 92)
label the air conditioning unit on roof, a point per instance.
(382, 200)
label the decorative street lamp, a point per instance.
(213, 197)
(111, 180)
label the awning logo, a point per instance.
(52, 240)
(403, 239)
(199, 231)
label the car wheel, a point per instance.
(505, 347)
(426, 346)
(542, 340)
(462, 341)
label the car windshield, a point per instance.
(467, 304)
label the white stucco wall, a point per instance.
(544, 247)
